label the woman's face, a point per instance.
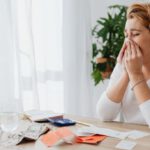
(135, 31)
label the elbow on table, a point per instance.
(104, 116)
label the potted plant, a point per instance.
(108, 38)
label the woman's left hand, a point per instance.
(133, 59)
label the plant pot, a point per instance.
(108, 69)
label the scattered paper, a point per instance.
(50, 139)
(101, 131)
(53, 137)
(135, 134)
(126, 145)
(91, 139)
(38, 115)
(33, 132)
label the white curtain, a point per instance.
(77, 57)
(7, 60)
(45, 55)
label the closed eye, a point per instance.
(136, 34)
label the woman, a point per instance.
(128, 92)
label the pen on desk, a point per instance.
(83, 123)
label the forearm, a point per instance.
(141, 90)
(142, 93)
(107, 110)
(117, 91)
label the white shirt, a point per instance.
(131, 111)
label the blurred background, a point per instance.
(50, 50)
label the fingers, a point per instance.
(132, 53)
(121, 53)
(133, 49)
(130, 50)
(136, 49)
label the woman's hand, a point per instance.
(133, 60)
(121, 53)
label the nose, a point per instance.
(129, 37)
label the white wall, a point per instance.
(99, 9)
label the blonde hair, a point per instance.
(141, 11)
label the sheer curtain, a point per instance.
(45, 55)
(77, 57)
(38, 32)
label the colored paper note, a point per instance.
(52, 137)
(94, 139)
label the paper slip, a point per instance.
(126, 145)
(91, 139)
(101, 131)
(135, 134)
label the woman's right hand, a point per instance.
(121, 53)
(121, 59)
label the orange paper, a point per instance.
(52, 137)
(64, 132)
(91, 139)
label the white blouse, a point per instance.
(129, 108)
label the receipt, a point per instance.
(101, 131)
(135, 134)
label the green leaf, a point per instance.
(101, 22)
(97, 76)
